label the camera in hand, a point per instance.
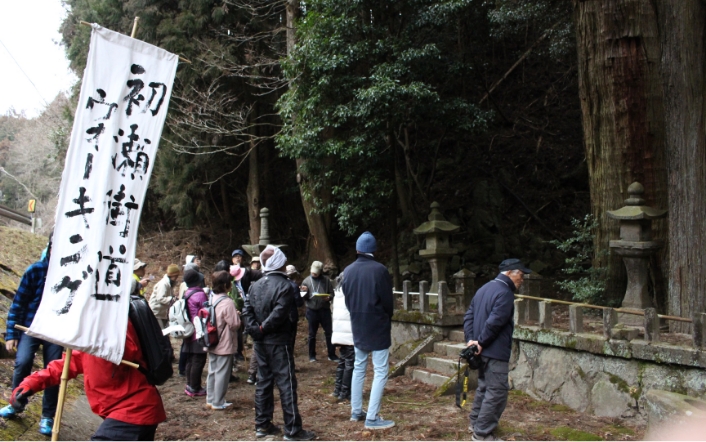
(470, 356)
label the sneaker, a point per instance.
(221, 407)
(378, 423)
(9, 412)
(301, 435)
(490, 436)
(359, 417)
(334, 359)
(233, 378)
(343, 398)
(268, 430)
(194, 393)
(312, 359)
(252, 380)
(46, 425)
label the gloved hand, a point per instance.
(256, 333)
(20, 396)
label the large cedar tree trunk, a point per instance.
(319, 244)
(252, 191)
(623, 119)
(683, 30)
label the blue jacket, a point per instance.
(489, 318)
(368, 289)
(27, 298)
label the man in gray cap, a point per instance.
(488, 325)
(318, 290)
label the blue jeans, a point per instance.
(26, 349)
(381, 365)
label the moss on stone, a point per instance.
(560, 407)
(566, 433)
(632, 391)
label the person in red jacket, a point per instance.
(130, 406)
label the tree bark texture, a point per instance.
(253, 194)
(319, 245)
(683, 30)
(623, 118)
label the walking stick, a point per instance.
(62, 396)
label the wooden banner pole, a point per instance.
(134, 29)
(62, 396)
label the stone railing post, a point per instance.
(465, 285)
(651, 325)
(406, 297)
(545, 315)
(423, 298)
(532, 287)
(519, 316)
(442, 298)
(610, 318)
(699, 330)
(575, 319)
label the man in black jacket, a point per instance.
(270, 321)
(368, 290)
(488, 325)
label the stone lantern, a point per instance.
(438, 250)
(255, 249)
(636, 247)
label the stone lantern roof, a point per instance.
(437, 223)
(634, 208)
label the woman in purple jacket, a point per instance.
(196, 355)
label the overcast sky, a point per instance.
(29, 32)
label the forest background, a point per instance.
(517, 116)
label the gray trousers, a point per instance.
(219, 367)
(491, 396)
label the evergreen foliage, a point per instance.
(369, 79)
(589, 287)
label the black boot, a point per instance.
(348, 361)
(339, 379)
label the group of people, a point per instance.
(262, 302)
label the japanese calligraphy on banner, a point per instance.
(122, 107)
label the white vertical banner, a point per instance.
(121, 111)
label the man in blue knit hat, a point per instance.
(368, 290)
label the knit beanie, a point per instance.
(173, 269)
(192, 278)
(366, 243)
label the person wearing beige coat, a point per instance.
(163, 295)
(220, 357)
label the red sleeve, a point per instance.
(51, 375)
(133, 353)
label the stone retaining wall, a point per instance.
(606, 378)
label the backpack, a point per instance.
(179, 315)
(156, 348)
(205, 324)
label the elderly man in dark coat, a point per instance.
(488, 325)
(368, 291)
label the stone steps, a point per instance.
(440, 368)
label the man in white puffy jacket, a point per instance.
(342, 336)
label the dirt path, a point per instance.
(419, 416)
